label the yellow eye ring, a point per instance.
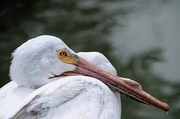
(63, 53)
(65, 56)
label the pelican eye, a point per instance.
(66, 57)
(63, 53)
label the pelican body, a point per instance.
(51, 81)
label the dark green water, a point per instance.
(140, 38)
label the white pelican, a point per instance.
(50, 81)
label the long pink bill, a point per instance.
(128, 87)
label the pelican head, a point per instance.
(36, 62)
(46, 58)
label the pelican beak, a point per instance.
(124, 86)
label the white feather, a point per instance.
(32, 95)
(73, 97)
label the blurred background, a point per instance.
(139, 37)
